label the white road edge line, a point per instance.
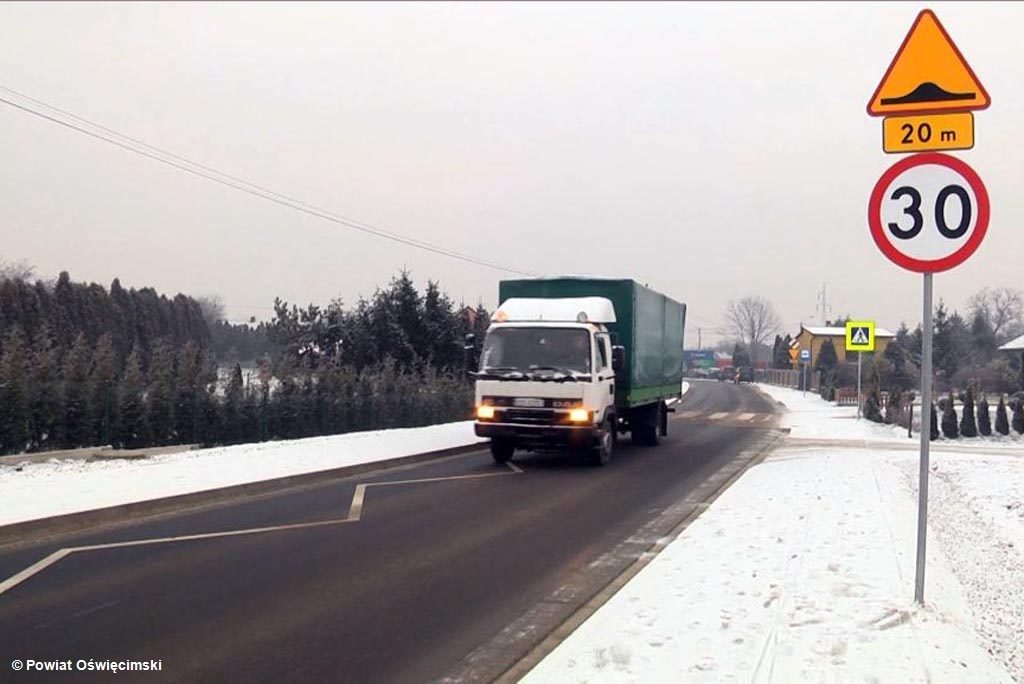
(33, 569)
(355, 512)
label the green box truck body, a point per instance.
(648, 325)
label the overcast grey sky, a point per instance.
(710, 150)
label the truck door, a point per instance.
(603, 369)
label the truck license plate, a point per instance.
(528, 402)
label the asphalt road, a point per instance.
(439, 580)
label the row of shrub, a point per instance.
(975, 416)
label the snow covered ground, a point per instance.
(59, 487)
(803, 571)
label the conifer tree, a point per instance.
(160, 394)
(408, 312)
(968, 427)
(984, 420)
(1018, 415)
(826, 365)
(103, 384)
(233, 398)
(77, 429)
(45, 390)
(130, 429)
(872, 406)
(934, 427)
(1002, 420)
(14, 400)
(949, 426)
(898, 353)
(187, 390)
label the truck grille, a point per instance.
(533, 416)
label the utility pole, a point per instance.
(822, 307)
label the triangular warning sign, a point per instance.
(928, 75)
(860, 336)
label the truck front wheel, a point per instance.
(502, 451)
(602, 453)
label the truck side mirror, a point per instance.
(618, 358)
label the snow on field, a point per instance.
(59, 487)
(803, 571)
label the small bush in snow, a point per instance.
(984, 421)
(934, 427)
(949, 427)
(894, 407)
(1018, 416)
(1002, 421)
(968, 428)
(872, 411)
(873, 404)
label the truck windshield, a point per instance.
(525, 349)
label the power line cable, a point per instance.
(202, 171)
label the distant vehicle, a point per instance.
(746, 374)
(572, 362)
(727, 374)
(715, 374)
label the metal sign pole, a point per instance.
(926, 434)
(859, 403)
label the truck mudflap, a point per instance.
(541, 436)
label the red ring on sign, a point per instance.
(928, 265)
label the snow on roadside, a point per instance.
(976, 516)
(803, 571)
(59, 487)
(811, 417)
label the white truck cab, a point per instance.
(546, 377)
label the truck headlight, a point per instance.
(579, 415)
(485, 412)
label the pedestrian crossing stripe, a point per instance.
(725, 416)
(860, 336)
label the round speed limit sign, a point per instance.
(928, 212)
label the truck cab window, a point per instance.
(602, 353)
(527, 348)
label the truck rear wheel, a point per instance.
(502, 451)
(646, 426)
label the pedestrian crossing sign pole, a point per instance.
(860, 337)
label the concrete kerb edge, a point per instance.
(548, 644)
(35, 530)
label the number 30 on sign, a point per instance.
(929, 212)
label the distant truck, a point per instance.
(573, 362)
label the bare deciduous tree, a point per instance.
(16, 270)
(752, 320)
(212, 307)
(1002, 308)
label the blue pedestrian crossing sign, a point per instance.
(805, 355)
(860, 336)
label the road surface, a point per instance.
(444, 571)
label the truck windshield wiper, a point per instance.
(503, 372)
(567, 373)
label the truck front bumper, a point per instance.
(541, 436)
